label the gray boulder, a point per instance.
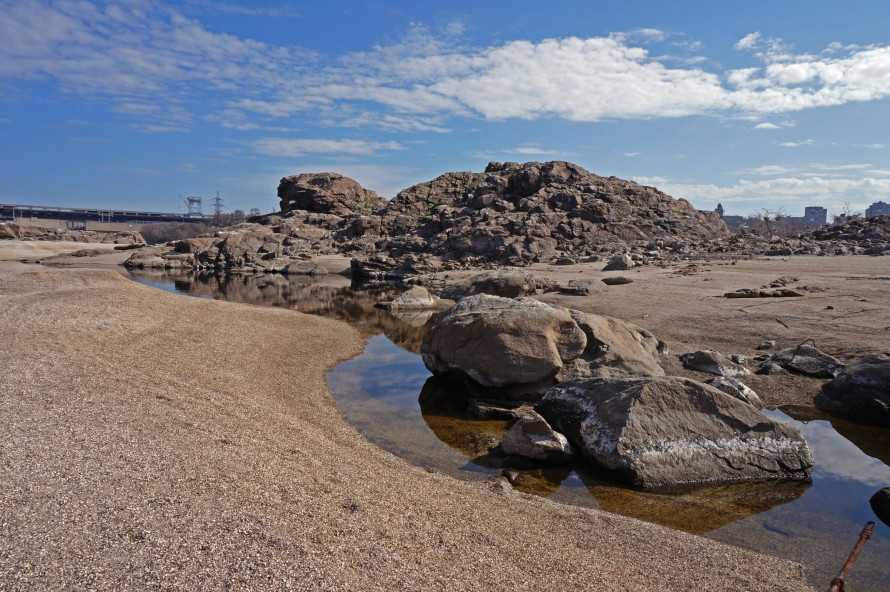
(659, 431)
(415, 298)
(500, 342)
(737, 389)
(620, 263)
(508, 282)
(861, 391)
(806, 359)
(713, 362)
(584, 287)
(532, 437)
(615, 349)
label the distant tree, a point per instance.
(766, 221)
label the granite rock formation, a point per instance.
(661, 431)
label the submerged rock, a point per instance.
(861, 391)
(659, 431)
(498, 342)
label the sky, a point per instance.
(756, 105)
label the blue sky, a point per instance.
(752, 104)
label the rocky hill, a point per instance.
(509, 214)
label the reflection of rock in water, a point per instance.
(872, 440)
(698, 510)
(331, 296)
(442, 404)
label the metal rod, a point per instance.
(837, 584)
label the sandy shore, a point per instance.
(154, 441)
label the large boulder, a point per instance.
(328, 193)
(615, 349)
(861, 391)
(499, 342)
(659, 431)
(508, 282)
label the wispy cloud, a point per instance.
(797, 144)
(302, 146)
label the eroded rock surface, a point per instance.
(614, 349)
(806, 359)
(712, 362)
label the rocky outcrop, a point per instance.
(861, 391)
(615, 349)
(660, 431)
(327, 193)
(499, 342)
(11, 231)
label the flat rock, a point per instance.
(660, 431)
(617, 280)
(806, 359)
(861, 391)
(499, 342)
(415, 298)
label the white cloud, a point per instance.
(302, 146)
(631, 154)
(797, 144)
(749, 41)
(151, 55)
(767, 125)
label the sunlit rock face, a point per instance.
(499, 342)
(660, 431)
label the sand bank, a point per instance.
(158, 441)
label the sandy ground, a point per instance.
(153, 441)
(14, 252)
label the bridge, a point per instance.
(90, 218)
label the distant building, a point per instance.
(815, 215)
(878, 208)
(719, 209)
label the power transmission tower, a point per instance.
(218, 204)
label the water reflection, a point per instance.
(331, 296)
(386, 393)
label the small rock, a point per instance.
(806, 359)
(620, 263)
(532, 437)
(737, 389)
(772, 369)
(617, 280)
(768, 344)
(880, 505)
(712, 362)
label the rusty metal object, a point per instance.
(837, 584)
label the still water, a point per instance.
(387, 385)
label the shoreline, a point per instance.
(153, 440)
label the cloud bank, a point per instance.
(137, 51)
